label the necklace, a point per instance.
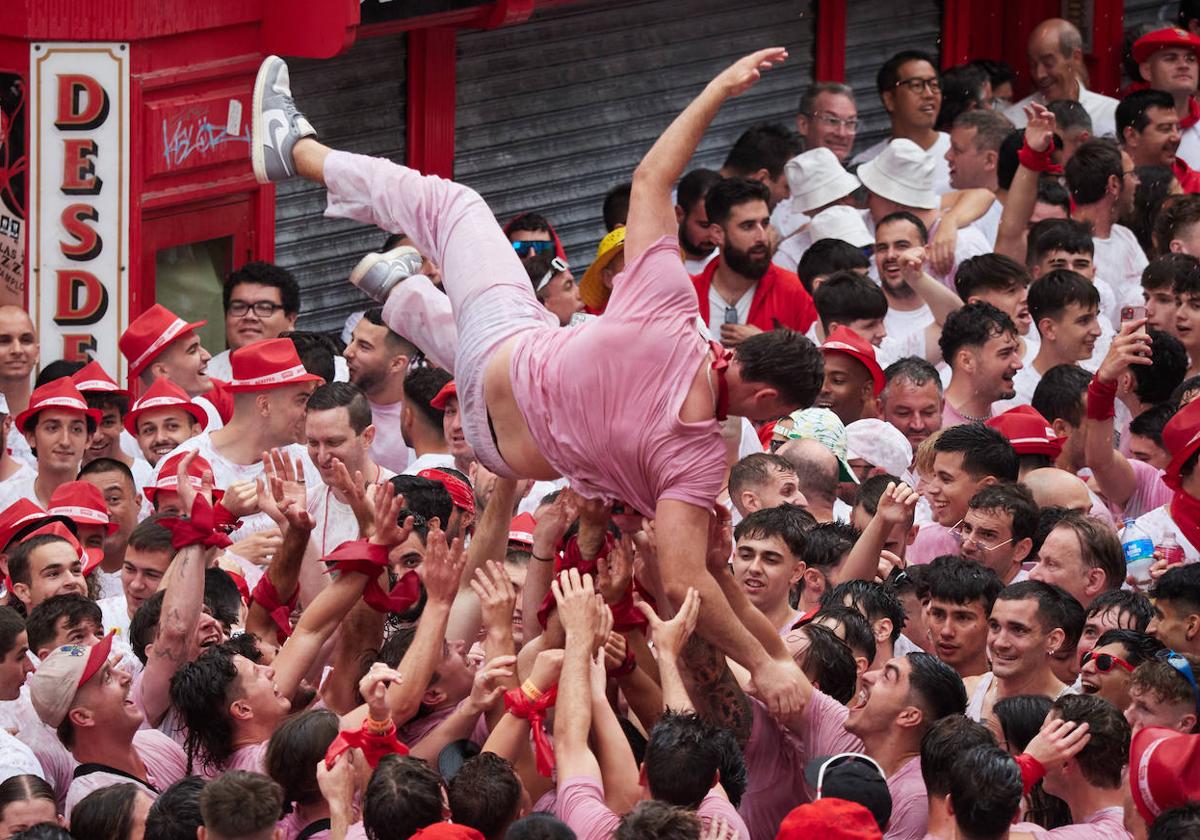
(966, 416)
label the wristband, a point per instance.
(1032, 771)
(532, 691)
(374, 745)
(1035, 160)
(377, 727)
(1101, 399)
(534, 711)
(267, 597)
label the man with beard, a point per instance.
(979, 343)
(911, 399)
(695, 230)
(1150, 134)
(741, 292)
(378, 359)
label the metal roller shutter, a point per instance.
(357, 102)
(554, 112)
(1156, 13)
(871, 39)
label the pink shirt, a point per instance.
(165, 765)
(291, 826)
(581, 806)
(951, 417)
(1105, 824)
(1149, 492)
(602, 399)
(252, 758)
(933, 540)
(774, 774)
(389, 449)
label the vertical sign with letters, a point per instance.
(79, 199)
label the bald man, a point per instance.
(816, 474)
(1056, 67)
(1052, 487)
(19, 351)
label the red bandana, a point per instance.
(1185, 513)
(202, 528)
(534, 711)
(366, 558)
(374, 746)
(267, 597)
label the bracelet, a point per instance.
(541, 559)
(1101, 399)
(531, 691)
(377, 727)
(1032, 159)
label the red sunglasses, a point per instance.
(1105, 662)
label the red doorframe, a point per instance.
(829, 63)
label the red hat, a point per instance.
(449, 390)
(460, 491)
(446, 831)
(1164, 770)
(829, 819)
(89, 557)
(92, 378)
(846, 340)
(61, 394)
(82, 503)
(167, 477)
(520, 530)
(1160, 39)
(163, 393)
(271, 363)
(1181, 437)
(19, 518)
(1027, 431)
(149, 335)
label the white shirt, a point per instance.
(989, 223)
(941, 170)
(114, 613)
(389, 449)
(1109, 311)
(1119, 262)
(335, 520)
(220, 367)
(1025, 382)
(19, 485)
(430, 461)
(900, 322)
(893, 348)
(1189, 146)
(717, 307)
(1158, 523)
(694, 267)
(16, 759)
(970, 242)
(792, 249)
(19, 448)
(109, 584)
(56, 762)
(1102, 109)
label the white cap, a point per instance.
(841, 222)
(880, 444)
(816, 179)
(902, 173)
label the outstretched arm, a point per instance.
(651, 213)
(1114, 476)
(1022, 194)
(579, 607)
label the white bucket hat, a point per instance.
(816, 179)
(902, 173)
(880, 444)
(841, 222)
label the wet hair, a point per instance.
(1053, 292)
(828, 664)
(755, 469)
(293, 752)
(827, 543)
(985, 451)
(973, 325)
(1094, 162)
(539, 826)
(660, 820)
(941, 689)
(694, 186)
(848, 296)
(1102, 761)
(860, 638)
(11, 625)
(787, 522)
(682, 758)
(24, 788)
(989, 273)
(1013, 499)
(485, 794)
(871, 490)
(1133, 605)
(349, 396)
(424, 496)
(1181, 586)
(615, 209)
(785, 360)
(889, 74)
(1154, 187)
(1099, 546)
(239, 803)
(175, 815)
(1050, 191)
(19, 556)
(1182, 823)
(42, 625)
(958, 581)
(1139, 647)
(1160, 678)
(106, 812)
(1052, 603)
(1150, 423)
(1020, 718)
(912, 370)
(766, 146)
(403, 796)
(421, 385)
(222, 598)
(1154, 383)
(1131, 111)
(906, 216)
(874, 600)
(1059, 394)
(1068, 235)
(985, 792)
(262, 273)
(947, 739)
(200, 692)
(827, 256)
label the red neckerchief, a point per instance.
(374, 747)
(720, 365)
(366, 558)
(1193, 115)
(518, 704)
(201, 528)
(1185, 513)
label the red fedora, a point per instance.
(167, 476)
(1181, 437)
(149, 335)
(82, 503)
(18, 519)
(271, 363)
(61, 394)
(163, 393)
(92, 378)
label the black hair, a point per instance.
(826, 256)
(1133, 604)
(1051, 191)
(728, 193)
(941, 688)
(265, 274)
(1149, 424)
(42, 625)
(1007, 160)
(293, 751)
(1181, 586)
(848, 296)
(18, 556)
(397, 342)
(1069, 235)
(874, 600)
(25, 787)
(1059, 394)
(906, 216)
(1192, 383)
(660, 820)
(143, 627)
(1153, 383)
(58, 369)
(913, 370)
(316, 352)
(1020, 718)
(1052, 603)
(1139, 647)
(150, 535)
(345, 395)
(1182, 823)
(1094, 162)
(947, 739)
(985, 792)
(985, 451)
(694, 186)
(827, 543)
(859, 635)
(200, 692)
(421, 385)
(989, 273)
(1053, 292)
(222, 598)
(766, 146)
(102, 400)
(1013, 499)
(962, 93)
(785, 360)
(999, 72)
(532, 222)
(731, 761)
(682, 758)
(1131, 111)
(175, 815)
(889, 74)
(1163, 272)
(616, 205)
(1069, 114)
(11, 625)
(870, 491)
(1102, 761)
(105, 812)
(538, 266)
(424, 496)
(539, 826)
(960, 581)
(403, 796)
(1154, 186)
(828, 664)
(973, 325)
(485, 794)
(787, 522)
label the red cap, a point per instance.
(829, 819)
(271, 363)
(163, 393)
(460, 492)
(1160, 39)
(150, 334)
(846, 340)
(1181, 437)
(520, 530)
(443, 396)
(92, 378)
(89, 557)
(1027, 431)
(167, 476)
(1164, 770)
(61, 394)
(82, 503)
(21, 515)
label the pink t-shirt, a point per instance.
(774, 774)
(1105, 824)
(1149, 492)
(933, 540)
(951, 417)
(252, 757)
(291, 826)
(165, 765)
(581, 806)
(602, 399)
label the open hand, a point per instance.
(669, 637)
(1057, 741)
(496, 594)
(578, 607)
(740, 76)
(1130, 346)
(1040, 127)
(443, 566)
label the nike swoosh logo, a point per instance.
(277, 133)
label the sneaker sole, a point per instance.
(257, 158)
(371, 260)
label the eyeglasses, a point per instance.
(830, 121)
(845, 758)
(1105, 662)
(919, 85)
(557, 266)
(963, 538)
(262, 308)
(525, 247)
(1180, 664)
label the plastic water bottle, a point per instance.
(1170, 549)
(1139, 552)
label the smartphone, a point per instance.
(1132, 313)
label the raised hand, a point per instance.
(443, 565)
(286, 478)
(1057, 741)
(1040, 127)
(550, 529)
(337, 784)
(912, 261)
(614, 572)
(497, 596)
(487, 688)
(258, 547)
(896, 504)
(241, 498)
(386, 506)
(740, 76)
(1130, 346)
(720, 541)
(578, 607)
(669, 637)
(547, 666)
(354, 491)
(614, 651)
(183, 484)
(373, 688)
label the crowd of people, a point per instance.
(843, 496)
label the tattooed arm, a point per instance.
(714, 690)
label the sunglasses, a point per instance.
(1184, 668)
(845, 758)
(1105, 662)
(525, 247)
(557, 266)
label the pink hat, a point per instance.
(846, 340)
(149, 335)
(271, 363)
(53, 686)
(449, 391)
(92, 378)
(61, 394)
(167, 477)
(82, 503)
(163, 393)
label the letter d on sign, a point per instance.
(82, 103)
(81, 298)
